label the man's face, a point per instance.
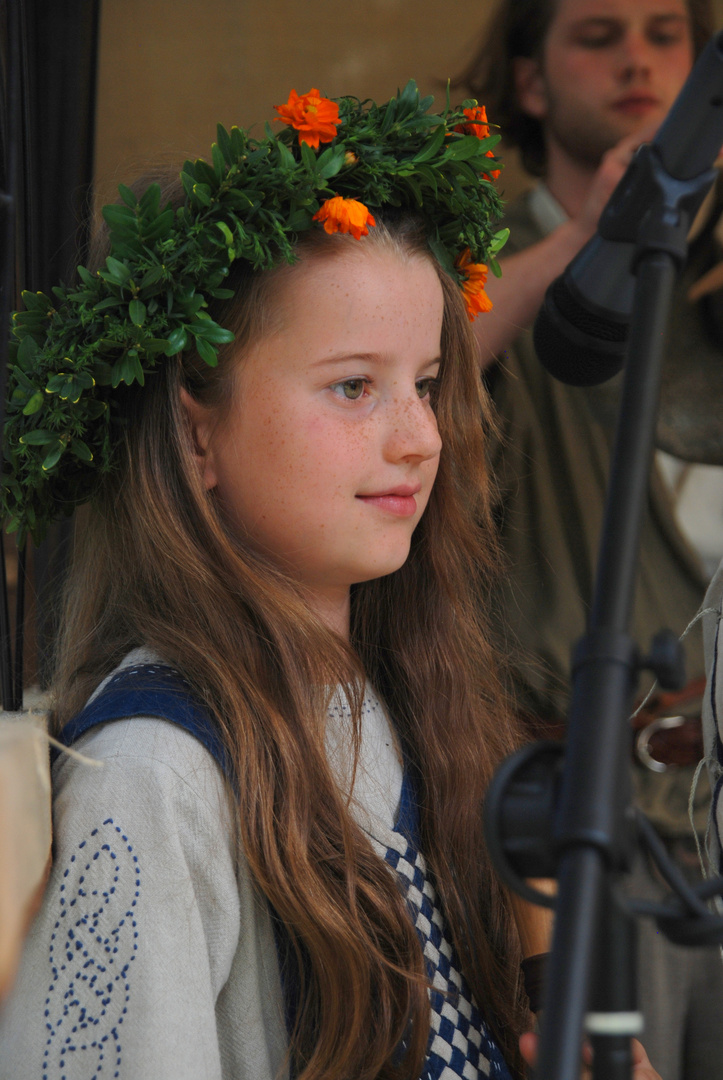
(608, 68)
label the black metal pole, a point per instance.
(11, 700)
(590, 827)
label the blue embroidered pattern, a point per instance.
(94, 943)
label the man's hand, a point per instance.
(518, 294)
(609, 173)
(642, 1069)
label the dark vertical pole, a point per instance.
(10, 39)
(61, 60)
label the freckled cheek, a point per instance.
(333, 450)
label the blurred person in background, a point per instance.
(577, 85)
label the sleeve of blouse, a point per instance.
(140, 923)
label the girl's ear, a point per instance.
(530, 86)
(202, 421)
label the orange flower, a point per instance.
(477, 125)
(473, 286)
(494, 173)
(315, 118)
(345, 216)
(476, 122)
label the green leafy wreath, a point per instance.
(252, 201)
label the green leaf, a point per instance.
(207, 352)
(202, 193)
(225, 232)
(238, 141)
(219, 165)
(37, 437)
(188, 183)
(211, 331)
(22, 379)
(109, 302)
(308, 157)
(224, 142)
(390, 114)
(299, 221)
(95, 408)
(35, 404)
(56, 382)
(442, 254)
(150, 202)
(154, 346)
(137, 312)
(328, 167)
(432, 147)
(72, 391)
(53, 456)
(498, 241)
(205, 174)
(121, 216)
(153, 276)
(117, 271)
(416, 190)
(86, 277)
(134, 361)
(409, 95)
(161, 227)
(127, 196)
(36, 301)
(465, 148)
(81, 450)
(286, 158)
(177, 341)
(27, 349)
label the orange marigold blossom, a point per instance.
(477, 123)
(493, 173)
(316, 118)
(345, 216)
(473, 287)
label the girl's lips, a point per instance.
(399, 501)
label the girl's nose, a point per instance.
(412, 431)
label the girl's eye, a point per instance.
(351, 389)
(426, 387)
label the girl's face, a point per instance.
(326, 455)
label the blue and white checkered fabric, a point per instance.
(459, 1041)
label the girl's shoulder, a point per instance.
(145, 772)
(150, 923)
(142, 718)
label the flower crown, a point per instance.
(252, 201)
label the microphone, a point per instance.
(581, 331)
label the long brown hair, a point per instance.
(243, 635)
(519, 28)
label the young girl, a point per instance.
(276, 617)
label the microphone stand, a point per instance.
(590, 830)
(588, 839)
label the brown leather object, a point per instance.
(668, 730)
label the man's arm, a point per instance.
(518, 294)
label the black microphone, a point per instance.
(581, 331)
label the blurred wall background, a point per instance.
(169, 70)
